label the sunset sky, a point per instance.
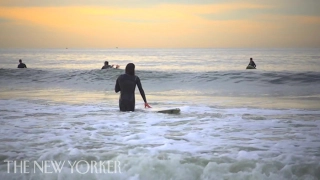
(159, 23)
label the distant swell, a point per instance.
(29, 75)
(225, 81)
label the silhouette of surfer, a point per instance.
(21, 65)
(126, 84)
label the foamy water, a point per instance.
(200, 143)
(233, 124)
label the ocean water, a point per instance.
(234, 123)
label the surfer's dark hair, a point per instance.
(130, 69)
(106, 62)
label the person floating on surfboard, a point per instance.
(126, 83)
(106, 65)
(21, 64)
(251, 63)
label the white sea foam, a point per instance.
(201, 143)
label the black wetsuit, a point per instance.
(22, 65)
(252, 64)
(126, 84)
(106, 67)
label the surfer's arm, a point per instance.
(117, 87)
(141, 90)
(146, 105)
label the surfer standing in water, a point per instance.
(251, 63)
(126, 83)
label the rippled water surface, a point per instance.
(234, 123)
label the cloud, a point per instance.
(237, 12)
(5, 20)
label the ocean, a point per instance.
(60, 117)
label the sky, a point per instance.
(159, 23)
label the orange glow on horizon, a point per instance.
(158, 26)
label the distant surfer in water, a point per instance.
(106, 65)
(21, 65)
(251, 63)
(126, 83)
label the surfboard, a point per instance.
(170, 111)
(166, 110)
(250, 67)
